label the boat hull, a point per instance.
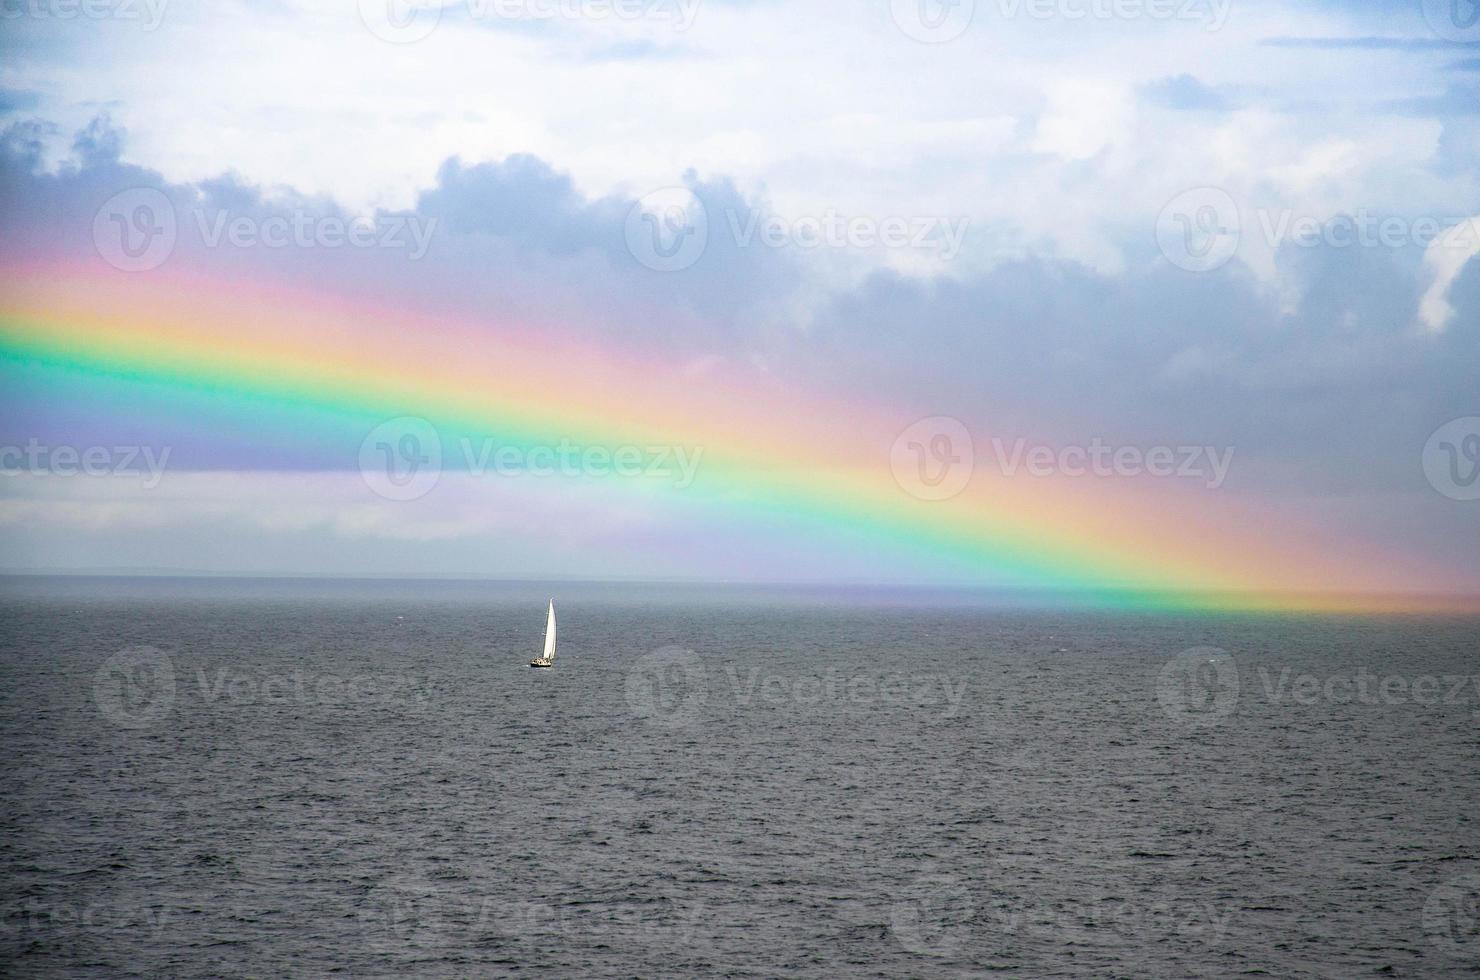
(542, 663)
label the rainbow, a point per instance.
(311, 372)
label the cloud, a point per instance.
(1040, 339)
(1445, 259)
(1313, 372)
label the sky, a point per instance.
(1081, 293)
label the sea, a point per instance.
(254, 778)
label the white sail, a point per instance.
(550, 633)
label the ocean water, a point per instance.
(231, 778)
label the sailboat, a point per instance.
(547, 659)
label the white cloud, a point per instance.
(1016, 124)
(1084, 117)
(1445, 257)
